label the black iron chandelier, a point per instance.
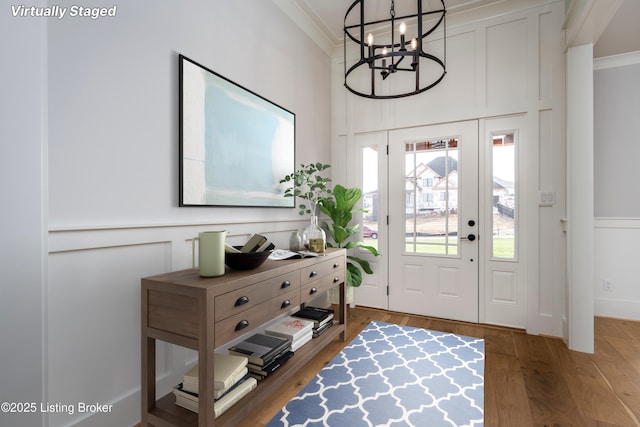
(391, 56)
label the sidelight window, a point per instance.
(370, 218)
(504, 204)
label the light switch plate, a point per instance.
(547, 198)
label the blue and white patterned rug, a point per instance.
(392, 375)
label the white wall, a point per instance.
(113, 215)
(617, 197)
(22, 216)
(114, 95)
(617, 130)
(502, 59)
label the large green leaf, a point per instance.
(364, 264)
(340, 208)
(346, 198)
(339, 234)
(353, 275)
(361, 245)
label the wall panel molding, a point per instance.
(617, 243)
(82, 238)
(94, 276)
(604, 222)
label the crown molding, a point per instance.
(308, 21)
(613, 61)
(586, 20)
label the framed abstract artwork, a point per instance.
(235, 145)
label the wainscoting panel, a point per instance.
(617, 245)
(93, 312)
(507, 64)
(94, 323)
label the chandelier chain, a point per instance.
(392, 11)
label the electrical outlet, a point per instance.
(607, 285)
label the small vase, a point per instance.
(294, 241)
(314, 237)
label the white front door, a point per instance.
(434, 220)
(446, 209)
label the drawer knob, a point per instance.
(285, 304)
(241, 301)
(285, 284)
(336, 279)
(242, 324)
(313, 274)
(336, 265)
(313, 291)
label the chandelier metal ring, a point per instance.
(387, 57)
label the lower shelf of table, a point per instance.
(166, 412)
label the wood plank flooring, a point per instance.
(529, 380)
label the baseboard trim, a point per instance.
(618, 309)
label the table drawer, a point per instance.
(241, 323)
(310, 274)
(245, 298)
(315, 288)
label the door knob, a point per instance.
(470, 237)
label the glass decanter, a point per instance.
(314, 237)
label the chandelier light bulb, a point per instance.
(370, 44)
(414, 48)
(403, 28)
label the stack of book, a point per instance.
(297, 330)
(257, 243)
(232, 383)
(266, 353)
(322, 318)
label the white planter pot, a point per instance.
(334, 296)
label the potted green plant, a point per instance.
(308, 184)
(340, 208)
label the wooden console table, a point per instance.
(205, 313)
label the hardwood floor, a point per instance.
(529, 380)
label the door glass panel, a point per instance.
(431, 197)
(504, 196)
(370, 196)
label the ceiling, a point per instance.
(330, 13)
(620, 36)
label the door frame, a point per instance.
(526, 214)
(373, 292)
(503, 293)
